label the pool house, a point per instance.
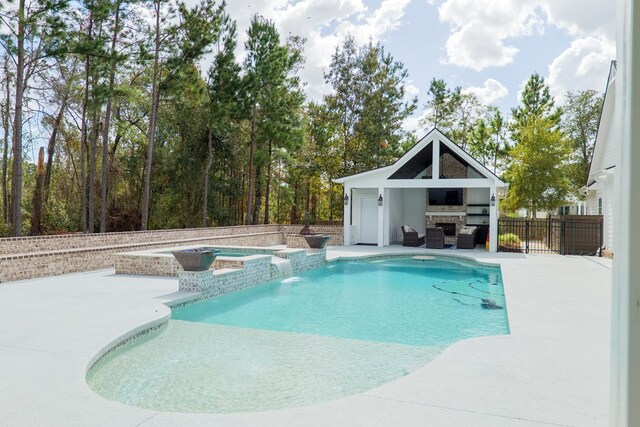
(451, 193)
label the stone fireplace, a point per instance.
(449, 228)
(451, 222)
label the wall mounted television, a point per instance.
(445, 196)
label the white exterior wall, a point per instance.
(406, 206)
(596, 192)
(608, 207)
(478, 196)
(415, 204)
(396, 214)
(611, 149)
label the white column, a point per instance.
(625, 336)
(435, 163)
(381, 218)
(387, 216)
(346, 227)
(493, 221)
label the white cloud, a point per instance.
(324, 24)
(412, 124)
(583, 65)
(411, 91)
(594, 17)
(491, 91)
(376, 24)
(480, 29)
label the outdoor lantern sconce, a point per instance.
(493, 200)
(380, 200)
(346, 199)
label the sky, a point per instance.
(488, 47)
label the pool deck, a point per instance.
(552, 370)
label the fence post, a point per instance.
(562, 236)
(601, 232)
(526, 236)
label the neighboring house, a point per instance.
(452, 192)
(600, 198)
(573, 207)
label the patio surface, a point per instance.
(553, 369)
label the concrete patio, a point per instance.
(553, 369)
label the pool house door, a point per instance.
(368, 220)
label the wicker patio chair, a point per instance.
(410, 237)
(435, 238)
(467, 238)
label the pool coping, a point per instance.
(419, 401)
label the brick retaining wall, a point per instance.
(18, 245)
(51, 263)
(29, 257)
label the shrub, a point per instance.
(508, 238)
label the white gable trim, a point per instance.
(377, 176)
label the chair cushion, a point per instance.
(467, 230)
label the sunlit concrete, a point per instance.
(553, 369)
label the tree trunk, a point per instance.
(16, 178)
(5, 151)
(205, 197)
(83, 137)
(258, 200)
(314, 207)
(294, 209)
(152, 123)
(252, 143)
(52, 146)
(107, 122)
(36, 215)
(93, 143)
(330, 199)
(267, 191)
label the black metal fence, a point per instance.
(564, 235)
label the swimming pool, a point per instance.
(331, 332)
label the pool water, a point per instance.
(330, 332)
(395, 301)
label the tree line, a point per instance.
(132, 133)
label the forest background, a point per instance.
(133, 132)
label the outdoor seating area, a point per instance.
(435, 238)
(410, 237)
(467, 238)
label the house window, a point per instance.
(600, 206)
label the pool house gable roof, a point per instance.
(407, 171)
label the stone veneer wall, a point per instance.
(295, 240)
(259, 270)
(148, 265)
(305, 260)
(450, 168)
(50, 263)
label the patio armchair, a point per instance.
(410, 237)
(467, 238)
(435, 238)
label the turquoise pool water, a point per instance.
(400, 301)
(335, 331)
